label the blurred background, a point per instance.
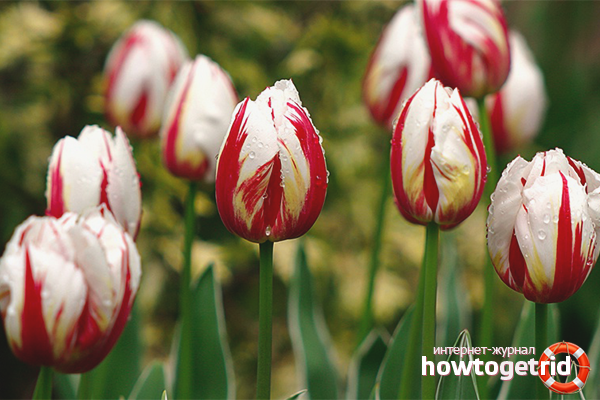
(52, 55)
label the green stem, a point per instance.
(430, 263)
(184, 379)
(265, 325)
(366, 322)
(487, 312)
(422, 328)
(43, 387)
(84, 390)
(541, 342)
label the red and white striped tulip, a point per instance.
(468, 44)
(399, 65)
(67, 286)
(543, 226)
(438, 161)
(139, 71)
(197, 116)
(517, 110)
(271, 174)
(96, 168)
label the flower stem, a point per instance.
(541, 342)
(366, 322)
(43, 387)
(265, 325)
(184, 366)
(487, 312)
(430, 262)
(423, 323)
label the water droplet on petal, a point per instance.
(268, 231)
(251, 155)
(541, 234)
(254, 139)
(488, 169)
(555, 219)
(546, 218)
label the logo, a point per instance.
(547, 368)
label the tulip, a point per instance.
(438, 161)
(197, 115)
(95, 169)
(271, 174)
(399, 65)
(468, 44)
(543, 226)
(139, 71)
(67, 286)
(517, 110)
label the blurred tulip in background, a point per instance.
(543, 226)
(67, 286)
(438, 161)
(197, 114)
(517, 110)
(271, 173)
(139, 71)
(96, 168)
(398, 66)
(468, 44)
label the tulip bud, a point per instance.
(139, 70)
(95, 169)
(271, 174)
(468, 44)
(517, 110)
(197, 115)
(66, 289)
(438, 161)
(399, 65)
(543, 226)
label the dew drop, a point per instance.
(555, 219)
(264, 196)
(254, 139)
(488, 169)
(260, 145)
(541, 234)
(546, 218)
(251, 155)
(268, 231)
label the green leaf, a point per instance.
(164, 395)
(592, 386)
(390, 372)
(151, 383)
(212, 372)
(522, 387)
(454, 311)
(116, 375)
(297, 394)
(454, 386)
(309, 335)
(365, 365)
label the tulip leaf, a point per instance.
(522, 387)
(592, 386)
(309, 335)
(454, 311)
(151, 383)
(212, 371)
(365, 365)
(390, 372)
(116, 375)
(297, 395)
(459, 386)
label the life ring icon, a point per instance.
(582, 362)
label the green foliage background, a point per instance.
(51, 61)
